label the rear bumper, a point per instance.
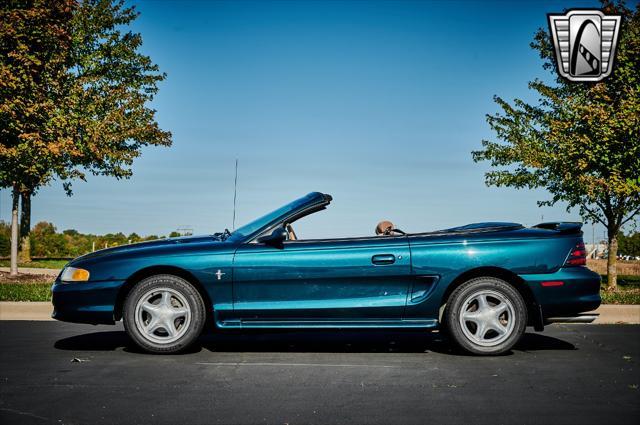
(565, 293)
(86, 302)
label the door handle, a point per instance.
(382, 259)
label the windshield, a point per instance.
(268, 219)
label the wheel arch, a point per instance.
(157, 270)
(533, 309)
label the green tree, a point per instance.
(45, 242)
(629, 244)
(5, 239)
(581, 141)
(134, 237)
(34, 51)
(94, 86)
(110, 86)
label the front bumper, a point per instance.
(578, 293)
(85, 302)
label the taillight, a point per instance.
(577, 256)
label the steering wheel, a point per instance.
(292, 234)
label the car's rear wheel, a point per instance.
(485, 315)
(164, 314)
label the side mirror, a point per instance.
(276, 238)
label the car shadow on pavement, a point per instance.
(95, 341)
(320, 341)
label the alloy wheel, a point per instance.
(487, 317)
(162, 315)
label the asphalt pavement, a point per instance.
(52, 372)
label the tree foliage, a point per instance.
(5, 237)
(34, 46)
(629, 244)
(74, 91)
(581, 141)
(46, 241)
(110, 85)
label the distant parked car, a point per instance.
(482, 283)
(624, 257)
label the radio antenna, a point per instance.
(235, 193)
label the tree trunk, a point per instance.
(14, 232)
(612, 259)
(25, 227)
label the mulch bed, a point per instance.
(25, 278)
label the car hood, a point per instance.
(139, 246)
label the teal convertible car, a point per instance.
(481, 283)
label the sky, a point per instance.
(377, 103)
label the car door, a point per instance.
(322, 280)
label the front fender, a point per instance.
(112, 277)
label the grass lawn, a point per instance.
(25, 287)
(25, 291)
(39, 264)
(621, 296)
(628, 291)
(624, 280)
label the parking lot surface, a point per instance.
(53, 372)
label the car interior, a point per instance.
(383, 228)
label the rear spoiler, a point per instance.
(563, 227)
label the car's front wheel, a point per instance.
(485, 316)
(164, 314)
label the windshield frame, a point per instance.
(311, 201)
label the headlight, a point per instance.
(72, 274)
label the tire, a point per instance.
(485, 316)
(164, 314)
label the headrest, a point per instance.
(384, 228)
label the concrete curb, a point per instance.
(10, 310)
(613, 313)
